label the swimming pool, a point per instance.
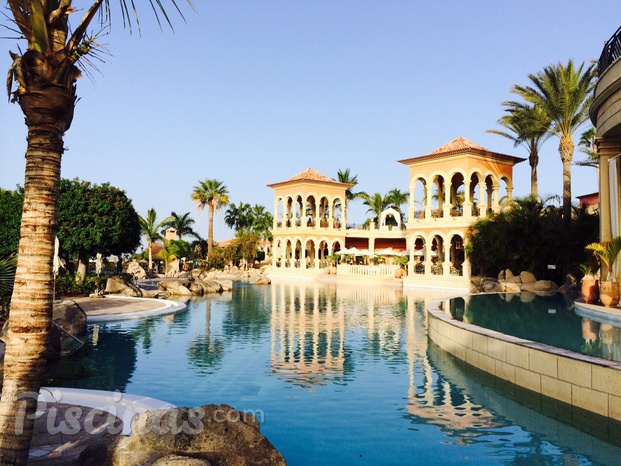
(549, 319)
(336, 373)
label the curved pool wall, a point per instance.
(589, 383)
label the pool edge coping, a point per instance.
(434, 311)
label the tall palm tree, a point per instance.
(527, 125)
(215, 195)
(182, 224)
(564, 93)
(150, 228)
(42, 80)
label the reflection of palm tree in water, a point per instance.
(206, 351)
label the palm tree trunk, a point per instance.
(212, 213)
(48, 108)
(566, 149)
(150, 259)
(32, 299)
(533, 160)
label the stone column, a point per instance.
(446, 201)
(607, 148)
(428, 206)
(465, 266)
(495, 204)
(467, 207)
(411, 208)
(483, 196)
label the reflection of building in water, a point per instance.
(308, 334)
(308, 324)
(432, 399)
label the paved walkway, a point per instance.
(86, 417)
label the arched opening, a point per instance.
(456, 253)
(457, 194)
(418, 254)
(437, 197)
(437, 255)
(419, 199)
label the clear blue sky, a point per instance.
(254, 92)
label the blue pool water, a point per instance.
(549, 319)
(337, 375)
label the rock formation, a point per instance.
(210, 435)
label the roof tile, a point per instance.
(310, 174)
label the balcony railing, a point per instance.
(612, 51)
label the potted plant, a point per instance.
(608, 252)
(590, 284)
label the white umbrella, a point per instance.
(343, 251)
(364, 252)
(419, 253)
(355, 252)
(387, 252)
(434, 253)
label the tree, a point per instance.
(565, 94)
(11, 205)
(529, 236)
(95, 218)
(42, 80)
(588, 146)
(150, 228)
(181, 223)
(347, 178)
(238, 217)
(246, 244)
(262, 222)
(527, 125)
(215, 195)
(395, 198)
(7, 277)
(376, 204)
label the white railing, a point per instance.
(385, 271)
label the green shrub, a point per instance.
(67, 286)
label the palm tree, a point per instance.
(238, 217)
(150, 228)
(565, 94)
(262, 222)
(347, 178)
(395, 198)
(7, 277)
(182, 224)
(588, 147)
(215, 195)
(42, 80)
(526, 125)
(376, 204)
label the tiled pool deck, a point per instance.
(586, 382)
